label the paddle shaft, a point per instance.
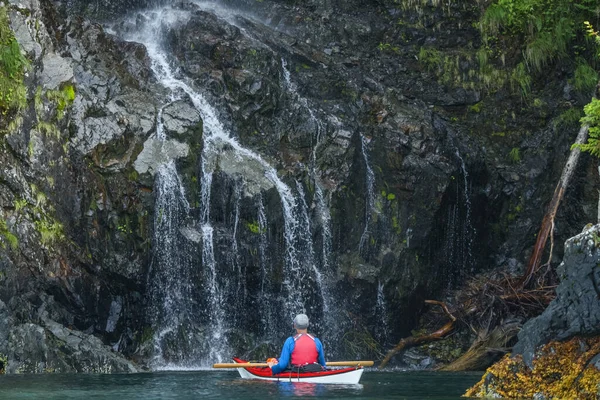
(329, 364)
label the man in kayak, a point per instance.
(300, 351)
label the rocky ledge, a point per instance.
(558, 353)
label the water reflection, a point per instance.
(306, 389)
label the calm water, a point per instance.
(226, 384)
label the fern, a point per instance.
(592, 118)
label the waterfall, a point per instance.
(300, 273)
(267, 317)
(370, 196)
(317, 124)
(382, 329)
(468, 229)
(325, 219)
(307, 243)
(169, 275)
(331, 313)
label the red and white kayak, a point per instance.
(335, 376)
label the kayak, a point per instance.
(335, 376)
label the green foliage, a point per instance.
(13, 94)
(253, 227)
(569, 117)
(586, 77)
(3, 363)
(8, 236)
(592, 117)
(388, 47)
(592, 110)
(546, 31)
(520, 79)
(476, 108)
(19, 204)
(514, 156)
(50, 230)
(63, 98)
(547, 26)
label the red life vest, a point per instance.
(305, 350)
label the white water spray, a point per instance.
(370, 195)
(297, 265)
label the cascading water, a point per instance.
(459, 232)
(300, 274)
(265, 300)
(307, 242)
(331, 312)
(382, 329)
(468, 231)
(317, 124)
(169, 275)
(325, 219)
(370, 196)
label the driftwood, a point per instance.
(548, 221)
(486, 349)
(412, 341)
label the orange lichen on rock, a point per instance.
(561, 370)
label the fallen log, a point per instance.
(412, 341)
(486, 349)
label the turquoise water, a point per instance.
(226, 384)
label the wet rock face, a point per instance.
(70, 199)
(576, 310)
(419, 193)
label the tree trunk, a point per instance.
(548, 221)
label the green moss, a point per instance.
(386, 47)
(514, 156)
(134, 175)
(521, 79)
(586, 77)
(147, 334)
(253, 227)
(13, 93)
(3, 363)
(49, 229)
(476, 107)
(568, 117)
(539, 103)
(62, 99)
(48, 129)
(8, 236)
(19, 204)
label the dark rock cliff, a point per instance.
(415, 174)
(576, 309)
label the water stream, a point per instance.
(300, 273)
(369, 196)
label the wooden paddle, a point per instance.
(329, 364)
